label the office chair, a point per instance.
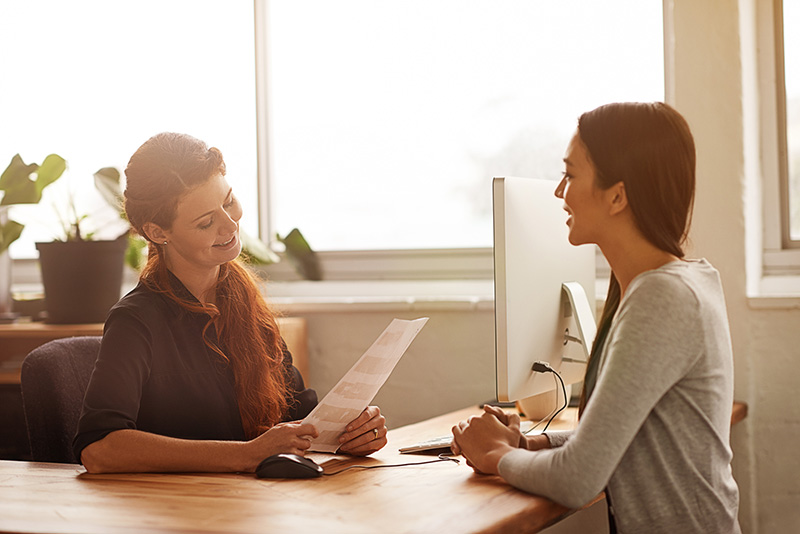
(54, 379)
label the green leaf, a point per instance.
(300, 254)
(9, 232)
(24, 193)
(107, 181)
(17, 180)
(135, 254)
(16, 171)
(256, 251)
(52, 168)
(17, 184)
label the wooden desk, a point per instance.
(441, 497)
(17, 340)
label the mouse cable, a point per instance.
(544, 367)
(440, 458)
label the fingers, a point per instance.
(371, 421)
(365, 434)
(370, 412)
(454, 446)
(365, 443)
(458, 431)
(308, 430)
(508, 419)
(367, 448)
(495, 411)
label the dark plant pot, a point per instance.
(82, 279)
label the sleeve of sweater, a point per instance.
(654, 341)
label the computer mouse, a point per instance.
(287, 465)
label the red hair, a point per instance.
(162, 170)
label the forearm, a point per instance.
(136, 451)
(534, 443)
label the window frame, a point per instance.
(781, 254)
(360, 265)
(389, 264)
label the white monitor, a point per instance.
(535, 318)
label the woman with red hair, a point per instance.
(193, 374)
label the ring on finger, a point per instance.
(375, 433)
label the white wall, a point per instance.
(450, 365)
(714, 90)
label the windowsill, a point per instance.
(777, 292)
(305, 297)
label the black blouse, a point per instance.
(155, 373)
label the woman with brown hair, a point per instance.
(193, 374)
(658, 392)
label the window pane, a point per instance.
(791, 55)
(389, 119)
(92, 80)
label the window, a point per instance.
(92, 80)
(791, 76)
(387, 120)
(779, 106)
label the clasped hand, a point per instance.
(484, 439)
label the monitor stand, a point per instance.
(582, 323)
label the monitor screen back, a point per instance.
(532, 258)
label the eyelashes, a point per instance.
(225, 206)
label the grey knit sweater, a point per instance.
(655, 431)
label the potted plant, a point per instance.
(81, 275)
(21, 183)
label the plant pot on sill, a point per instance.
(82, 279)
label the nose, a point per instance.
(559, 192)
(229, 224)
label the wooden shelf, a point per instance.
(18, 339)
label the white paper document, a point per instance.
(359, 386)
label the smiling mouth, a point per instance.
(226, 243)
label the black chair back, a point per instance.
(54, 380)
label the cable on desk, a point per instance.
(440, 458)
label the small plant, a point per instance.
(23, 183)
(73, 222)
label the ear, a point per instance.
(154, 233)
(617, 198)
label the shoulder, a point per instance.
(680, 283)
(143, 306)
(676, 296)
(661, 299)
(688, 280)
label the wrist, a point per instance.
(248, 456)
(535, 443)
(495, 456)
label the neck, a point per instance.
(199, 281)
(631, 256)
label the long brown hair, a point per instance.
(159, 173)
(649, 147)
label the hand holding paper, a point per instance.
(359, 386)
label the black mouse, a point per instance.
(287, 465)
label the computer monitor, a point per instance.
(544, 290)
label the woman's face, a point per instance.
(205, 232)
(582, 198)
